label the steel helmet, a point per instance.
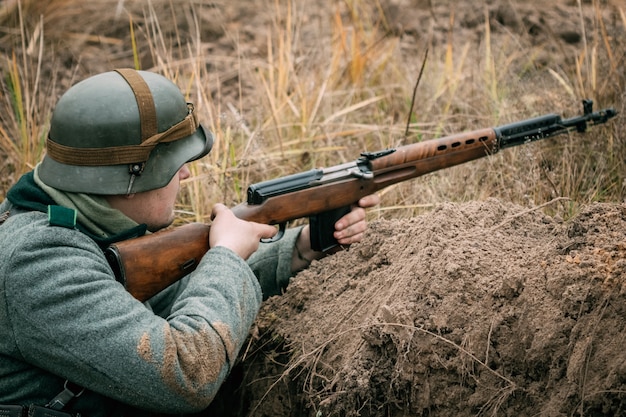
(121, 132)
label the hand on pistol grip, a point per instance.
(323, 227)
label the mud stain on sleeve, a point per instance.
(144, 349)
(192, 360)
(231, 347)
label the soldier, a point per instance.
(73, 340)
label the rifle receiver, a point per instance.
(259, 192)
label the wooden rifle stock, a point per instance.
(148, 264)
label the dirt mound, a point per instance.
(482, 308)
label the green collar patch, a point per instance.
(62, 216)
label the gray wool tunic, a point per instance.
(63, 316)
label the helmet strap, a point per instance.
(145, 101)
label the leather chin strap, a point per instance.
(130, 154)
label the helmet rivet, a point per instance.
(136, 169)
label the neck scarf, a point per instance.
(93, 211)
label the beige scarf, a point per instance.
(93, 211)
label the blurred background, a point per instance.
(287, 86)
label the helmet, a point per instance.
(121, 132)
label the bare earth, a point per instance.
(483, 308)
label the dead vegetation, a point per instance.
(294, 85)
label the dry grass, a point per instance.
(317, 86)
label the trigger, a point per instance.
(277, 236)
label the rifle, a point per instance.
(148, 264)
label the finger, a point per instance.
(352, 230)
(217, 208)
(357, 214)
(266, 231)
(351, 239)
(369, 201)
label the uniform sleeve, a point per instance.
(70, 317)
(271, 263)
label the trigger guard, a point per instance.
(277, 236)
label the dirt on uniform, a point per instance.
(476, 309)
